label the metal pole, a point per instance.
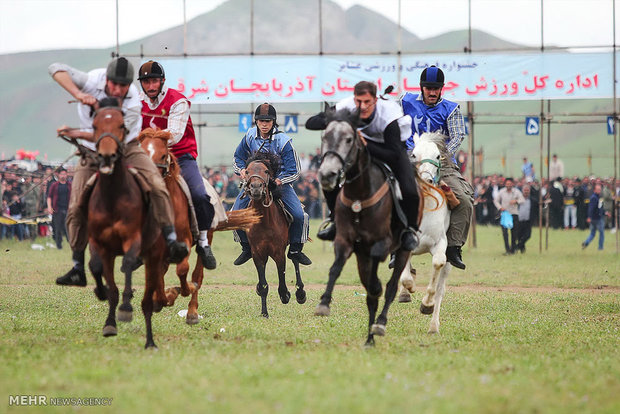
(399, 52)
(471, 157)
(184, 31)
(320, 27)
(251, 27)
(117, 42)
(616, 202)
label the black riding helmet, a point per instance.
(265, 112)
(120, 70)
(152, 70)
(432, 77)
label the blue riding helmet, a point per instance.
(432, 77)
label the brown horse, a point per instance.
(117, 219)
(364, 221)
(269, 237)
(155, 143)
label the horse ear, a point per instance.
(354, 119)
(326, 106)
(416, 138)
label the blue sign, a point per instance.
(532, 125)
(245, 122)
(290, 124)
(610, 125)
(466, 120)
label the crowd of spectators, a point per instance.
(565, 199)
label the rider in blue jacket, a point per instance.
(431, 113)
(266, 137)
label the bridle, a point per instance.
(348, 161)
(437, 164)
(265, 193)
(119, 141)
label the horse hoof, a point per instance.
(321, 310)
(265, 315)
(124, 316)
(285, 298)
(300, 294)
(378, 329)
(151, 346)
(109, 330)
(102, 294)
(370, 343)
(191, 319)
(426, 310)
(404, 297)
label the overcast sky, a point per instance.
(28, 25)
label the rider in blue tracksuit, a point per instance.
(266, 137)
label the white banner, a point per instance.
(475, 77)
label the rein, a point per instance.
(436, 164)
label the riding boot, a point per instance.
(246, 254)
(392, 261)
(408, 239)
(453, 254)
(295, 253)
(207, 257)
(328, 232)
(177, 251)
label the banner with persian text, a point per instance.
(474, 77)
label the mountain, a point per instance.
(32, 105)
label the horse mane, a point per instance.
(436, 138)
(273, 162)
(166, 136)
(331, 114)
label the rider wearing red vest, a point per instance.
(167, 109)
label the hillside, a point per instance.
(32, 106)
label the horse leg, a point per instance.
(96, 268)
(439, 261)
(147, 305)
(125, 311)
(285, 295)
(192, 309)
(407, 280)
(402, 257)
(300, 293)
(262, 288)
(342, 253)
(182, 271)
(367, 269)
(441, 289)
(109, 329)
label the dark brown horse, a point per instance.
(117, 219)
(363, 216)
(155, 143)
(269, 237)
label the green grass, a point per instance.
(552, 348)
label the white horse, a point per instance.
(427, 154)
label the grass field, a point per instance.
(531, 333)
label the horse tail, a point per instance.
(427, 190)
(242, 219)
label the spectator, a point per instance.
(556, 205)
(508, 199)
(528, 169)
(596, 218)
(525, 219)
(570, 207)
(556, 168)
(58, 198)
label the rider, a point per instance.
(385, 128)
(266, 137)
(159, 99)
(88, 89)
(431, 113)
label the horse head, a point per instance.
(427, 154)
(340, 146)
(109, 132)
(260, 172)
(155, 143)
